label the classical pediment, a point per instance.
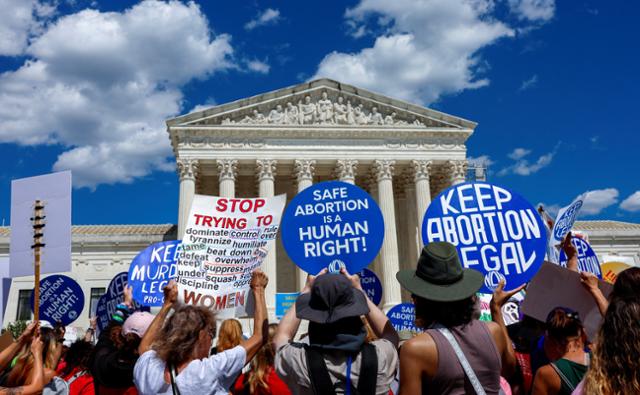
(321, 103)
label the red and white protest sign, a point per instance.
(224, 241)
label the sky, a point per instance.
(88, 85)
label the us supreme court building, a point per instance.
(283, 141)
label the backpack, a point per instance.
(56, 386)
(321, 383)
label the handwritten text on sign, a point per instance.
(225, 240)
(151, 270)
(332, 224)
(495, 230)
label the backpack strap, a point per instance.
(172, 375)
(562, 376)
(318, 374)
(368, 376)
(464, 362)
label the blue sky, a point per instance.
(87, 85)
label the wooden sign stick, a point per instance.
(38, 226)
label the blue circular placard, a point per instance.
(587, 258)
(403, 317)
(151, 270)
(61, 299)
(495, 230)
(371, 285)
(115, 294)
(331, 225)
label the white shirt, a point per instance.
(213, 375)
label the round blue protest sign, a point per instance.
(115, 294)
(101, 313)
(331, 225)
(403, 317)
(61, 299)
(371, 285)
(495, 230)
(587, 258)
(151, 270)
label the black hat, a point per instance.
(332, 298)
(439, 275)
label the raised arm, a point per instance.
(378, 321)
(289, 324)
(500, 298)
(571, 253)
(252, 345)
(590, 282)
(8, 353)
(170, 297)
(36, 378)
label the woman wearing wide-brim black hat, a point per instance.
(444, 296)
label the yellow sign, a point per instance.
(610, 270)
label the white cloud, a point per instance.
(631, 203)
(428, 48)
(519, 153)
(597, 200)
(20, 20)
(269, 16)
(533, 10)
(259, 66)
(102, 84)
(529, 83)
(524, 167)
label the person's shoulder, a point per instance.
(420, 346)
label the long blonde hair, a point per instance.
(230, 335)
(615, 366)
(24, 360)
(262, 364)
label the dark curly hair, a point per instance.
(449, 314)
(627, 284)
(179, 336)
(78, 355)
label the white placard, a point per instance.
(225, 240)
(55, 191)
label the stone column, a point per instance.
(265, 172)
(458, 171)
(227, 169)
(389, 252)
(303, 169)
(346, 170)
(421, 171)
(188, 170)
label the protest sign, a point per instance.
(5, 285)
(510, 310)
(611, 270)
(587, 258)
(555, 286)
(151, 270)
(225, 240)
(107, 303)
(403, 317)
(331, 225)
(495, 230)
(61, 299)
(371, 285)
(54, 190)
(564, 222)
(284, 300)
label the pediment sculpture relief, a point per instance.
(323, 111)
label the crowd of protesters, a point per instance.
(350, 346)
